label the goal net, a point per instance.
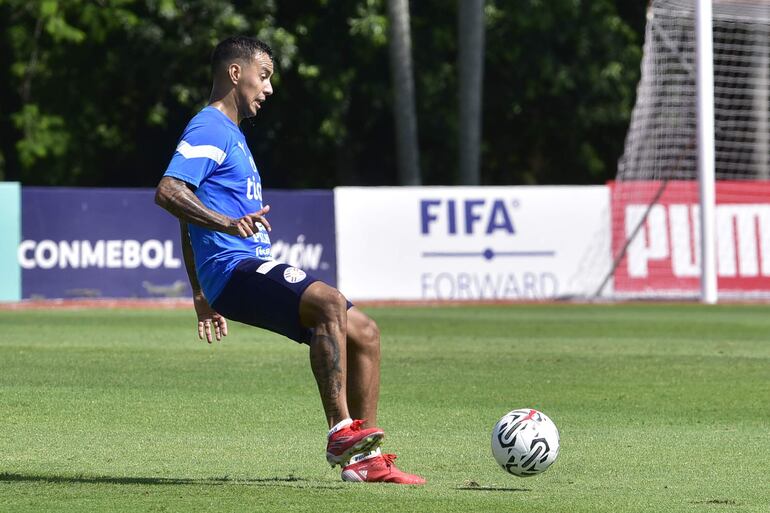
(655, 212)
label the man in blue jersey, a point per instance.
(213, 186)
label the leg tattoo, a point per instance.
(325, 360)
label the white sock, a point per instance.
(339, 425)
(364, 456)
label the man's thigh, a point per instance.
(266, 294)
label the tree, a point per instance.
(559, 88)
(97, 93)
(403, 93)
(470, 36)
(98, 85)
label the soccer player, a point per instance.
(212, 185)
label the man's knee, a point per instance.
(322, 304)
(371, 332)
(364, 331)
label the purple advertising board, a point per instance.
(116, 243)
(303, 232)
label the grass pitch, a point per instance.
(661, 408)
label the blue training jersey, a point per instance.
(213, 157)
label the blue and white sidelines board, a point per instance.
(10, 235)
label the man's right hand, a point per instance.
(248, 225)
(208, 318)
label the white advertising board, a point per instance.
(471, 243)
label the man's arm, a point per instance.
(175, 196)
(189, 257)
(206, 315)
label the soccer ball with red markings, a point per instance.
(525, 442)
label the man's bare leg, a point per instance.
(324, 309)
(363, 382)
(363, 394)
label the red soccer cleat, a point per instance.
(379, 469)
(351, 440)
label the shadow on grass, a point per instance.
(179, 481)
(476, 487)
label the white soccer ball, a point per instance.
(525, 442)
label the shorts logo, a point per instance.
(294, 275)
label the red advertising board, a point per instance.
(664, 255)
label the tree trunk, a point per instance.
(403, 93)
(470, 77)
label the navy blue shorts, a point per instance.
(266, 294)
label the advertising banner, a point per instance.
(98, 243)
(118, 243)
(471, 243)
(664, 256)
(10, 235)
(303, 230)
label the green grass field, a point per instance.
(661, 408)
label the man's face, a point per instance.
(254, 85)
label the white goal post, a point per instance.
(706, 173)
(691, 200)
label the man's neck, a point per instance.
(226, 105)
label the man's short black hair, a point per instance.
(237, 48)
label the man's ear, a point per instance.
(234, 72)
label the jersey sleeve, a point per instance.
(201, 149)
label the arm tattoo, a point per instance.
(176, 197)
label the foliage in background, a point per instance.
(559, 97)
(97, 93)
